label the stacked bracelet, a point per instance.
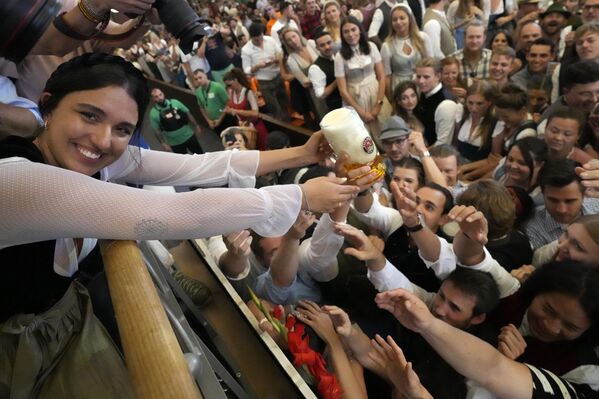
(92, 15)
(63, 27)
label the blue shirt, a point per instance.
(8, 96)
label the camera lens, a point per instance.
(181, 21)
(24, 22)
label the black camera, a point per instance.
(182, 22)
(24, 22)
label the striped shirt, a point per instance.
(543, 228)
(547, 385)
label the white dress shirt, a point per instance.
(253, 55)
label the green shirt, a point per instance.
(212, 99)
(174, 137)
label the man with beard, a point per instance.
(553, 21)
(176, 128)
(322, 72)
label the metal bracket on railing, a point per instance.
(203, 364)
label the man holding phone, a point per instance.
(260, 58)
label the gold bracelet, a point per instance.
(90, 14)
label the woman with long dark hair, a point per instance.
(361, 76)
(243, 104)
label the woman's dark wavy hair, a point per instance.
(346, 51)
(408, 162)
(572, 279)
(534, 151)
(95, 71)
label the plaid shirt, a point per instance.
(309, 23)
(482, 68)
(543, 228)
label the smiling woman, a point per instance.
(56, 193)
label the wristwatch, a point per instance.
(414, 228)
(426, 154)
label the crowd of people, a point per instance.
(469, 270)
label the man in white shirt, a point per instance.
(260, 57)
(438, 108)
(288, 18)
(322, 72)
(438, 29)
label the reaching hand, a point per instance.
(405, 200)
(340, 320)
(473, 223)
(324, 194)
(238, 243)
(511, 342)
(362, 247)
(523, 272)
(406, 307)
(311, 314)
(417, 144)
(304, 220)
(317, 148)
(590, 175)
(363, 177)
(390, 358)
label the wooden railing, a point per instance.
(297, 135)
(157, 367)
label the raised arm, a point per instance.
(284, 265)
(468, 355)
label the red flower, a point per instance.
(299, 346)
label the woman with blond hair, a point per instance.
(403, 48)
(299, 55)
(332, 15)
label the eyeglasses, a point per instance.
(590, 7)
(398, 141)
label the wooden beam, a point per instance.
(154, 359)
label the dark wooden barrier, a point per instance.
(297, 135)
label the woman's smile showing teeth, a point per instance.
(88, 153)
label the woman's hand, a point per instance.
(366, 116)
(325, 194)
(390, 358)
(317, 148)
(406, 307)
(311, 314)
(340, 320)
(511, 343)
(376, 110)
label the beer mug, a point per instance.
(346, 133)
